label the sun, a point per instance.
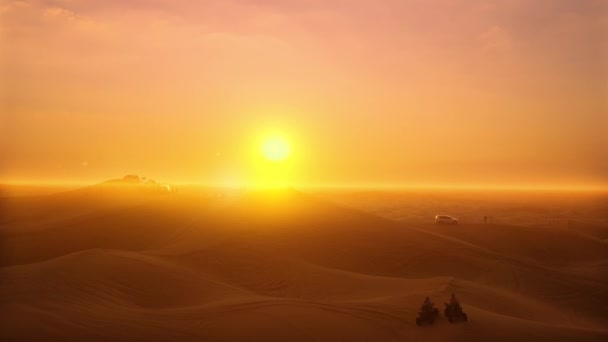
(275, 149)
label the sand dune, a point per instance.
(120, 264)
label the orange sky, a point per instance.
(367, 92)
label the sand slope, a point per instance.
(107, 264)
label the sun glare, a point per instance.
(275, 149)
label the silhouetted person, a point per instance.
(485, 220)
(454, 301)
(427, 305)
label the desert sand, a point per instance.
(120, 264)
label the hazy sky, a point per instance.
(366, 91)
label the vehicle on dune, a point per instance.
(428, 313)
(453, 311)
(445, 219)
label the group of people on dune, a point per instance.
(453, 311)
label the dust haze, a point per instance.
(128, 260)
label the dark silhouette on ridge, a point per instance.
(453, 311)
(428, 313)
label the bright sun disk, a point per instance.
(275, 149)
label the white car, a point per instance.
(445, 219)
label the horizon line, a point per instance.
(342, 186)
